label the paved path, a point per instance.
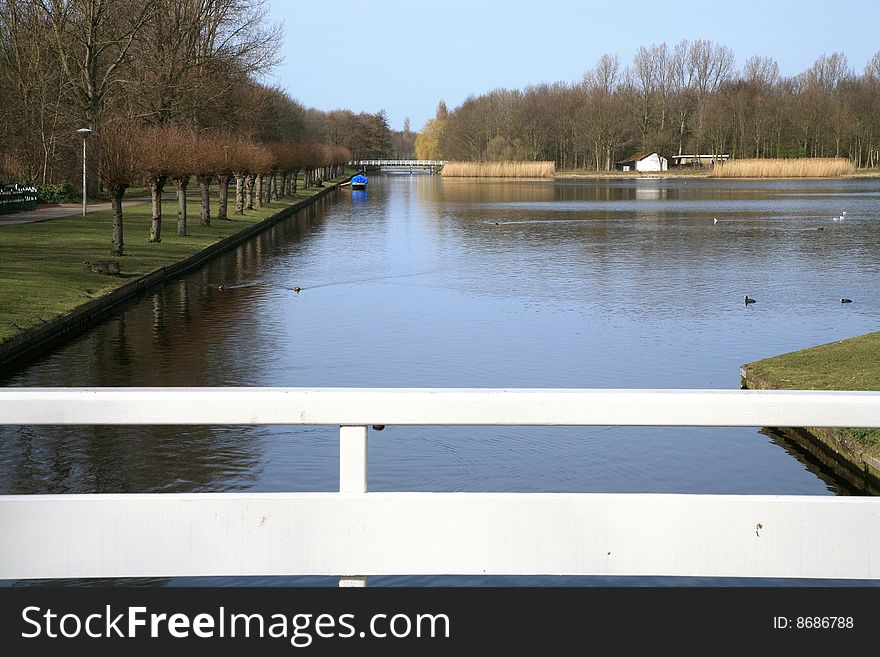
(46, 212)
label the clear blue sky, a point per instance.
(406, 56)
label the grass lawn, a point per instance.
(852, 364)
(42, 264)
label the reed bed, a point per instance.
(814, 167)
(499, 169)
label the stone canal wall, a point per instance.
(835, 449)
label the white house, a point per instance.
(643, 162)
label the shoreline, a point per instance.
(32, 342)
(567, 174)
(635, 175)
(851, 454)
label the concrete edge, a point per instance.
(32, 343)
(840, 453)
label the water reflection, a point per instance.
(439, 283)
(110, 459)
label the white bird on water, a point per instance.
(841, 217)
(714, 220)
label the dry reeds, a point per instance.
(499, 169)
(814, 167)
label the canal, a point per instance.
(421, 281)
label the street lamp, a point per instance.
(84, 133)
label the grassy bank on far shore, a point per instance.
(852, 364)
(42, 264)
(690, 172)
(683, 172)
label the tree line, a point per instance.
(684, 99)
(171, 90)
(70, 64)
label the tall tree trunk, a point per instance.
(260, 190)
(117, 192)
(249, 191)
(273, 186)
(182, 184)
(223, 201)
(157, 184)
(293, 176)
(205, 188)
(239, 192)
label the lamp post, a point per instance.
(84, 133)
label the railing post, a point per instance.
(352, 476)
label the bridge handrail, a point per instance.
(354, 533)
(439, 406)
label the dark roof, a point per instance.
(635, 158)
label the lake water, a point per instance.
(429, 282)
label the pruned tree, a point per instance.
(159, 150)
(209, 158)
(185, 165)
(227, 143)
(297, 154)
(251, 161)
(339, 157)
(117, 169)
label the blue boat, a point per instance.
(359, 182)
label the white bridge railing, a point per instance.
(354, 534)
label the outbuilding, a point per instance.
(643, 162)
(700, 160)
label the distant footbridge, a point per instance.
(432, 165)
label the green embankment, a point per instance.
(852, 364)
(42, 264)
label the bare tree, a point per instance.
(117, 168)
(92, 40)
(192, 52)
(37, 127)
(684, 89)
(227, 143)
(643, 80)
(756, 106)
(711, 65)
(184, 166)
(604, 122)
(209, 158)
(159, 152)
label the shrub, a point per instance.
(55, 193)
